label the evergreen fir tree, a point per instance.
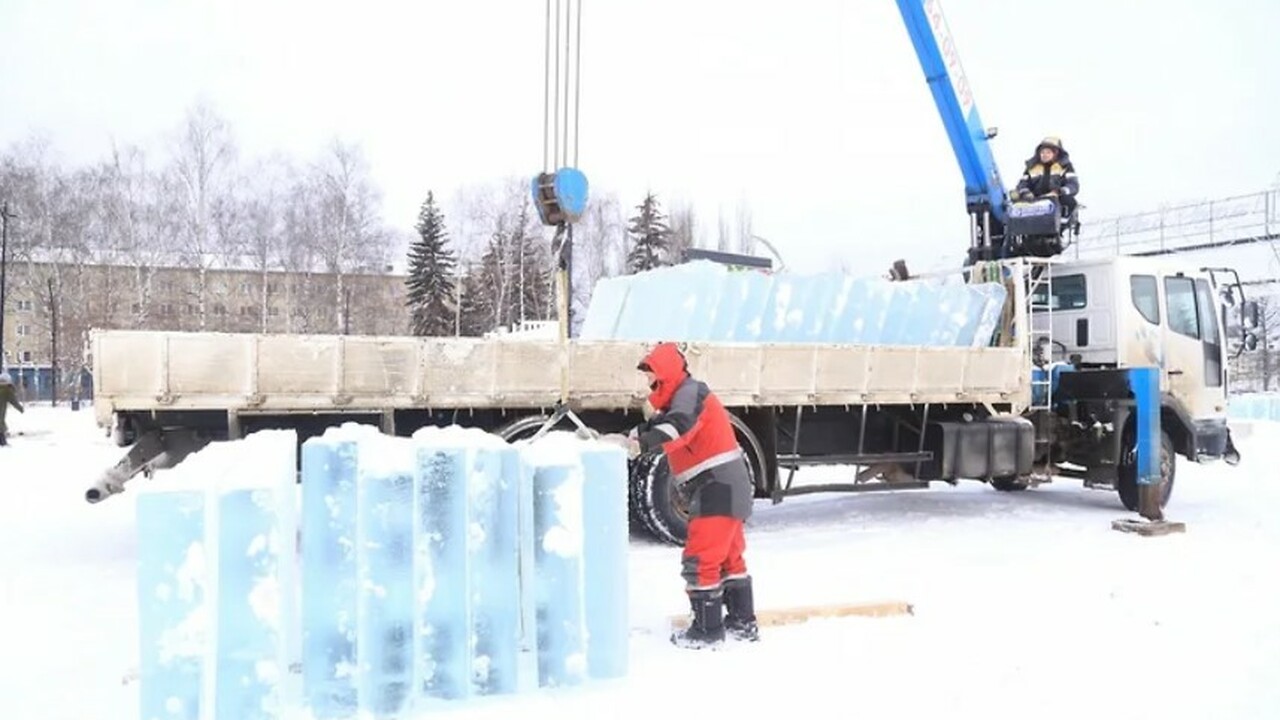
(650, 236)
(431, 284)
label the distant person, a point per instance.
(1049, 173)
(8, 396)
(709, 468)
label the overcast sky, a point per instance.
(815, 112)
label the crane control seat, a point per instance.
(1038, 227)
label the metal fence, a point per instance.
(1183, 228)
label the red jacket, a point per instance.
(694, 431)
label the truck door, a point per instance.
(1193, 348)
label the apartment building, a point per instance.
(75, 298)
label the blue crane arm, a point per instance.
(954, 98)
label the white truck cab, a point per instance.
(1155, 312)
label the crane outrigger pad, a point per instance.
(1148, 528)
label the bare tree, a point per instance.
(201, 175)
(51, 247)
(509, 277)
(599, 251)
(684, 229)
(1261, 367)
(140, 224)
(746, 237)
(350, 236)
(262, 236)
(724, 232)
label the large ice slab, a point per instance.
(580, 539)
(1254, 406)
(707, 301)
(217, 589)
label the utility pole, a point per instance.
(4, 266)
(1266, 357)
(457, 301)
(53, 342)
(346, 310)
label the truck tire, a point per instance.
(1127, 484)
(654, 505)
(521, 428)
(526, 426)
(756, 464)
(1011, 483)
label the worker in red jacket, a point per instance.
(692, 428)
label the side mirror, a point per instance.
(1249, 314)
(1250, 341)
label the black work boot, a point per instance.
(740, 609)
(707, 626)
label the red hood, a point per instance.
(666, 361)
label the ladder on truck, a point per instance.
(1040, 335)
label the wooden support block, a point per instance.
(1148, 528)
(792, 616)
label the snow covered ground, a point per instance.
(1026, 605)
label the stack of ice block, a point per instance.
(461, 565)
(706, 301)
(434, 569)
(1255, 406)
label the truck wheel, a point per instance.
(521, 428)
(750, 444)
(654, 502)
(1012, 483)
(1127, 485)
(525, 427)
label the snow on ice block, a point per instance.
(329, 567)
(216, 538)
(704, 301)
